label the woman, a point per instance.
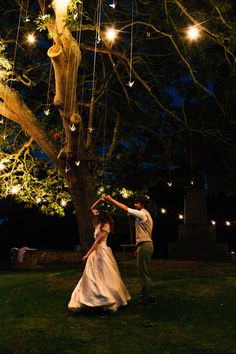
(100, 285)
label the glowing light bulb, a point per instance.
(181, 216)
(72, 127)
(2, 166)
(228, 223)
(63, 203)
(38, 200)
(98, 40)
(130, 83)
(61, 5)
(113, 5)
(91, 130)
(31, 38)
(15, 189)
(163, 210)
(101, 190)
(46, 112)
(111, 34)
(169, 184)
(213, 222)
(193, 33)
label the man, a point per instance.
(143, 233)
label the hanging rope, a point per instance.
(104, 146)
(191, 159)
(97, 40)
(4, 136)
(48, 90)
(78, 38)
(169, 183)
(131, 45)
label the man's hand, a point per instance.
(107, 197)
(118, 204)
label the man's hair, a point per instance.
(142, 200)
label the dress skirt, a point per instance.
(101, 284)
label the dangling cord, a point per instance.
(77, 162)
(4, 136)
(26, 12)
(191, 159)
(78, 39)
(97, 40)
(104, 147)
(130, 84)
(169, 183)
(46, 112)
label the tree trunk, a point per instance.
(82, 192)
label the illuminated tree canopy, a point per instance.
(95, 93)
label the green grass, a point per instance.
(195, 313)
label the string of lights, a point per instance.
(180, 216)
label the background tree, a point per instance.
(81, 110)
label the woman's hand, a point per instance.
(84, 259)
(107, 197)
(97, 202)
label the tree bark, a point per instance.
(82, 192)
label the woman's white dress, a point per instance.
(101, 284)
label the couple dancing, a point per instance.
(101, 285)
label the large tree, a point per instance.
(79, 108)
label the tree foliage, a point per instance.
(80, 112)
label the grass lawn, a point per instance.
(195, 312)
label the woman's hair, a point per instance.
(103, 218)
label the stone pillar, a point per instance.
(197, 240)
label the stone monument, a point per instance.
(197, 239)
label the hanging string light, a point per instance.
(180, 216)
(97, 39)
(15, 189)
(192, 182)
(63, 203)
(131, 83)
(111, 34)
(78, 38)
(193, 33)
(47, 110)
(31, 39)
(2, 166)
(169, 183)
(104, 144)
(4, 136)
(113, 5)
(27, 19)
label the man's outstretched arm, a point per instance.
(115, 202)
